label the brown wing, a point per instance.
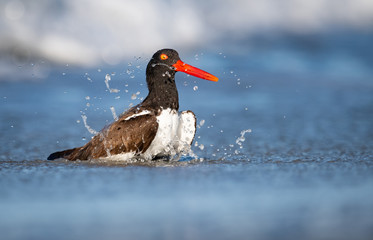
(132, 135)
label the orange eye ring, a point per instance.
(164, 56)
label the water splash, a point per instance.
(114, 113)
(201, 123)
(90, 130)
(241, 138)
(111, 90)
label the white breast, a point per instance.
(175, 134)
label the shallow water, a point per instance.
(305, 169)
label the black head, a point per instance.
(165, 62)
(161, 65)
(160, 77)
(160, 70)
(165, 57)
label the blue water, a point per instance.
(305, 170)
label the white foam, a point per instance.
(120, 157)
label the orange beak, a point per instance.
(183, 67)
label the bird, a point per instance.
(153, 129)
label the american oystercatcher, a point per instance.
(152, 129)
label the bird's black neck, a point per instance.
(162, 88)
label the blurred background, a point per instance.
(331, 36)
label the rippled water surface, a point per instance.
(303, 169)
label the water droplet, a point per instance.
(90, 130)
(77, 121)
(201, 146)
(111, 90)
(83, 138)
(241, 139)
(99, 70)
(201, 122)
(114, 113)
(133, 96)
(195, 88)
(87, 98)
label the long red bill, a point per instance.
(183, 67)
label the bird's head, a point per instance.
(166, 62)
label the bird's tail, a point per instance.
(61, 154)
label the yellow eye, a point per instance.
(164, 56)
